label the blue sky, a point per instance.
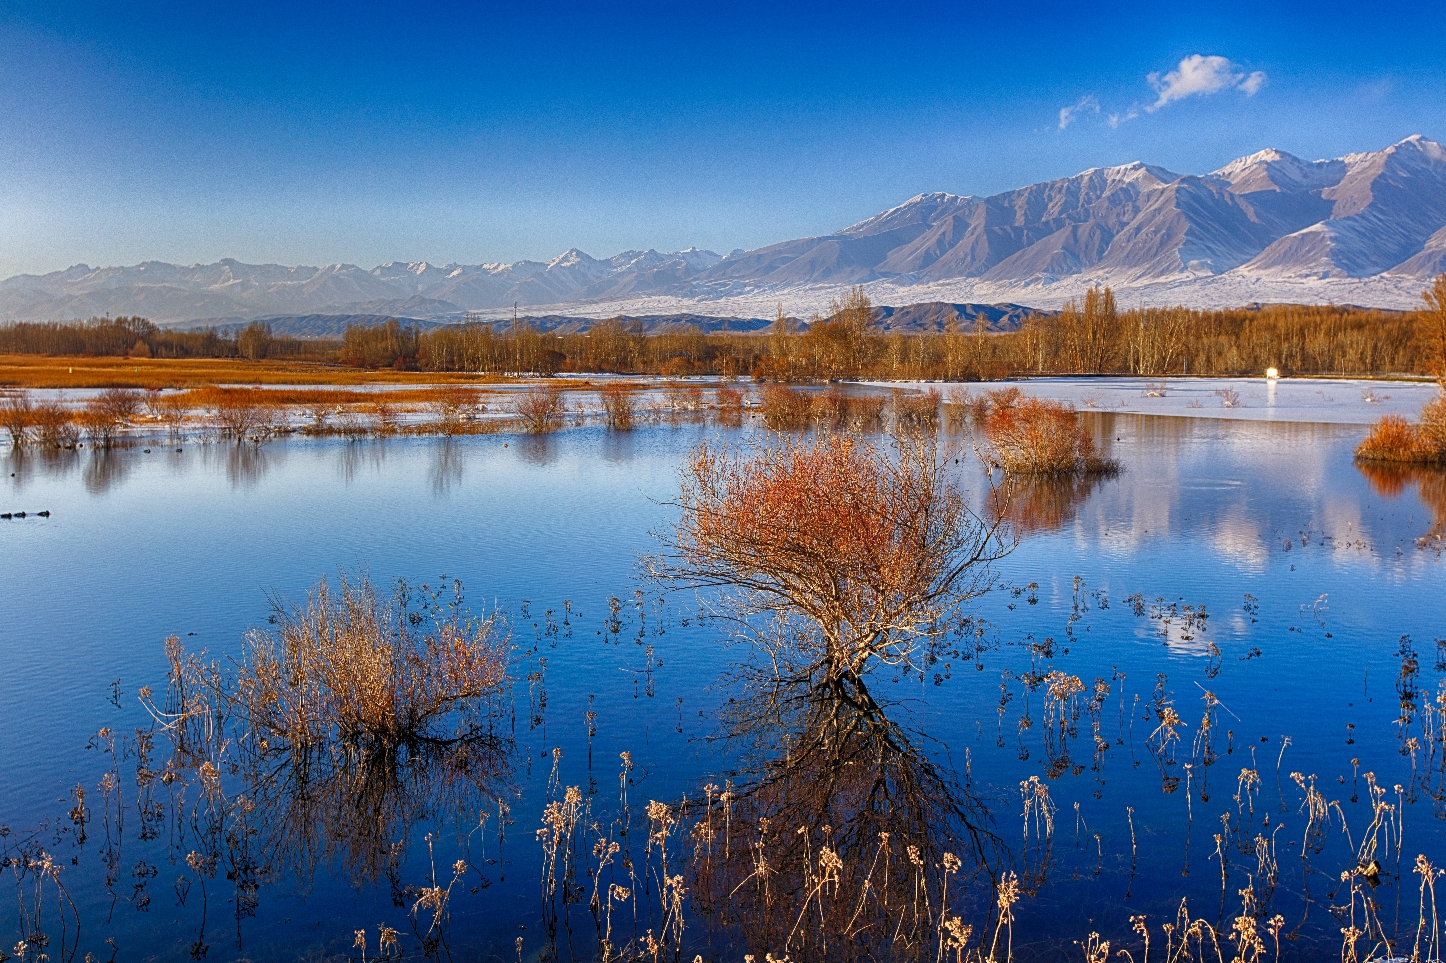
(315, 133)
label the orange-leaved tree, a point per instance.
(832, 553)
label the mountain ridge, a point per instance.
(1368, 226)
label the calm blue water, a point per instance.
(141, 546)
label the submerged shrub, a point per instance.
(17, 415)
(1394, 439)
(1034, 436)
(729, 401)
(454, 408)
(785, 409)
(236, 411)
(54, 426)
(865, 555)
(917, 410)
(540, 410)
(617, 401)
(351, 666)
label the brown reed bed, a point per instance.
(38, 371)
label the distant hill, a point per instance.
(909, 319)
(1368, 228)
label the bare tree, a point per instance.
(833, 554)
(1434, 328)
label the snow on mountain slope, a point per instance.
(1368, 227)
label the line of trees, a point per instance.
(1091, 336)
(137, 337)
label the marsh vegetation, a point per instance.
(904, 748)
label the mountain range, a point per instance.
(1369, 228)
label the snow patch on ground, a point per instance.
(1210, 292)
(1335, 401)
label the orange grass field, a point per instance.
(37, 371)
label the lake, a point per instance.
(1244, 578)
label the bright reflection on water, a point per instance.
(1310, 572)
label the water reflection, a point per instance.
(619, 447)
(24, 467)
(844, 837)
(445, 467)
(1042, 503)
(1392, 480)
(353, 808)
(246, 463)
(105, 468)
(541, 450)
(356, 453)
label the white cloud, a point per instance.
(1068, 114)
(1199, 76)
(1253, 83)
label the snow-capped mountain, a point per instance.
(1368, 227)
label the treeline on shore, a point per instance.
(137, 337)
(1092, 336)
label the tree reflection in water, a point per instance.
(844, 839)
(1043, 503)
(1391, 479)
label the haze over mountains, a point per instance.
(1367, 228)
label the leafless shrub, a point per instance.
(1394, 439)
(830, 407)
(454, 408)
(97, 424)
(54, 425)
(1039, 437)
(785, 409)
(383, 418)
(170, 411)
(350, 666)
(730, 403)
(683, 397)
(863, 556)
(541, 410)
(317, 413)
(1229, 398)
(17, 415)
(917, 410)
(235, 411)
(617, 401)
(121, 404)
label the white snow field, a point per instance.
(1337, 401)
